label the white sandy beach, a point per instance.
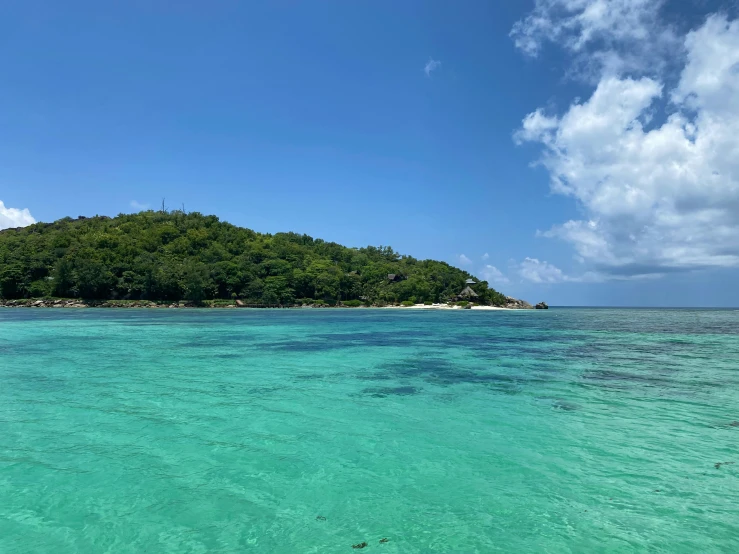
(442, 307)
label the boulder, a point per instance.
(542, 306)
(516, 304)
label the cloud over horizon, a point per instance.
(139, 206)
(492, 274)
(464, 260)
(652, 165)
(13, 217)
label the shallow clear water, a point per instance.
(572, 430)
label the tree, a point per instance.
(92, 278)
(196, 282)
(13, 282)
(63, 278)
(277, 291)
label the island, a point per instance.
(179, 259)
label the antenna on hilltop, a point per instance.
(164, 208)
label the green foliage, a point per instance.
(13, 280)
(352, 303)
(428, 303)
(407, 303)
(218, 303)
(171, 257)
(196, 282)
(462, 303)
(40, 288)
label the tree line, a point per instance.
(189, 256)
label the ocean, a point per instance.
(310, 431)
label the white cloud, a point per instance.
(485, 257)
(656, 198)
(430, 66)
(610, 35)
(542, 272)
(535, 271)
(463, 260)
(492, 274)
(13, 217)
(535, 126)
(139, 206)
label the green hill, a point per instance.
(190, 256)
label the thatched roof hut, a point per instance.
(468, 293)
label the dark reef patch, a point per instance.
(310, 377)
(382, 392)
(337, 341)
(565, 406)
(609, 376)
(441, 372)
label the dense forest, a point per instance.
(189, 256)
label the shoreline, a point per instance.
(145, 304)
(447, 307)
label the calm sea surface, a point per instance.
(188, 431)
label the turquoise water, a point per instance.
(187, 431)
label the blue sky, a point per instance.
(567, 150)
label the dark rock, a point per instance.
(321, 518)
(516, 304)
(542, 306)
(384, 540)
(360, 545)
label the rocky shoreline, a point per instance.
(516, 304)
(511, 304)
(78, 303)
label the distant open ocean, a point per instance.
(309, 431)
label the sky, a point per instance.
(581, 152)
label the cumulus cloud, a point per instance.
(543, 272)
(463, 260)
(601, 34)
(536, 126)
(656, 198)
(537, 271)
(492, 274)
(431, 66)
(13, 217)
(485, 257)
